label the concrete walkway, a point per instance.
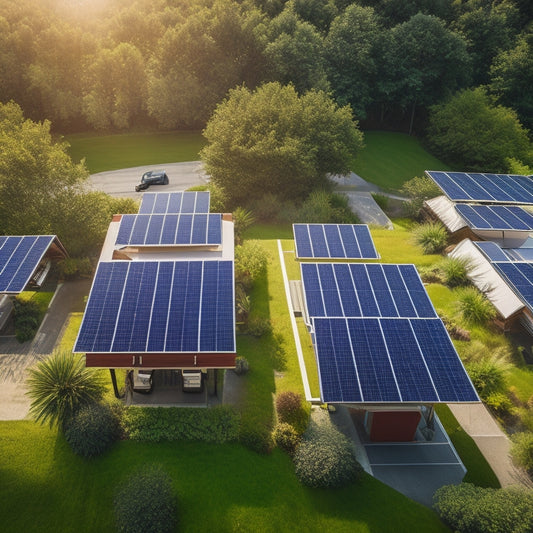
(477, 421)
(17, 358)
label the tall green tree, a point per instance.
(353, 57)
(429, 63)
(274, 141)
(471, 132)
(512, 79)
(41, 190)
(294, 50)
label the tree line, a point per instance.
(166, 64)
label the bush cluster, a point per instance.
(418, 190)
(26, 317)
(218, 424)
(255, 437)
(467, 508)
(145, 502)
(258, 326)
(92, 430)
(74, 267)
(488, 375)
(286, 437)
(251, 261)
(325, 459)
(432, 237)
(455, 271)
(474, 306)
(290, 409)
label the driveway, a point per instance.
(17, 358)
(122, 182)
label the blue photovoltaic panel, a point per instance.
(372, 360)
(520, 254)
(171, 229)
(492, 251)
(520, 277)
(364, 290)
(334, 241)
(19, 258)
(490, 188)
(149, 306)
(496, 217)
(175, 202)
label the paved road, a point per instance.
(122, 182)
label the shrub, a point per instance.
(286, 437)
(218, 424)
(432, 237)
(418, 190)
(74, 267)
(323, 207)
(145, 502)
(474, 306)
(242, 303)
(488, 375)
(122, 205)
(522, 449)
(431, 274)
(92, 430)
(26, 318)
(499, 403)
(242, 220)
(258, 326)
(467, 508)
(325, 459)
(251, 261)
(256, 437)
(292, 410)
(241, 365)
(60, 385)
(455, 270)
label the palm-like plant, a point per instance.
(59, 385)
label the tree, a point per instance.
(429, 62)
(294, 51)
(273, 141)
(59, 386)
(353, 56)
(489, 28)
(471, 132)
(512, 78)
(42, 191)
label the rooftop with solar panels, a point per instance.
(163, 293)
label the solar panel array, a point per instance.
(365, 290)
(484, 188)
(492, 251)
(496, 217)
(375, 360)
(167, 306)
(173, 229)
(19, 257)
(334, 241)
(520, 277)
(175, 202)
(378, 337)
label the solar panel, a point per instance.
(19, 258)
(334, 241)
(492, 251)
(496, 217)
(384, 360)
(175, 202)
(167, 306)
(484, 188)
(520, 278)
(368, 290)
(170, 229)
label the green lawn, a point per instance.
(223, 488)
(389, 159)
(111, 152)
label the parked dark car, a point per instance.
(152, 177)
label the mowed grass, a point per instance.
(390, 159)
(112, 152)
(223, 488)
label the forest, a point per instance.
(117, 65)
